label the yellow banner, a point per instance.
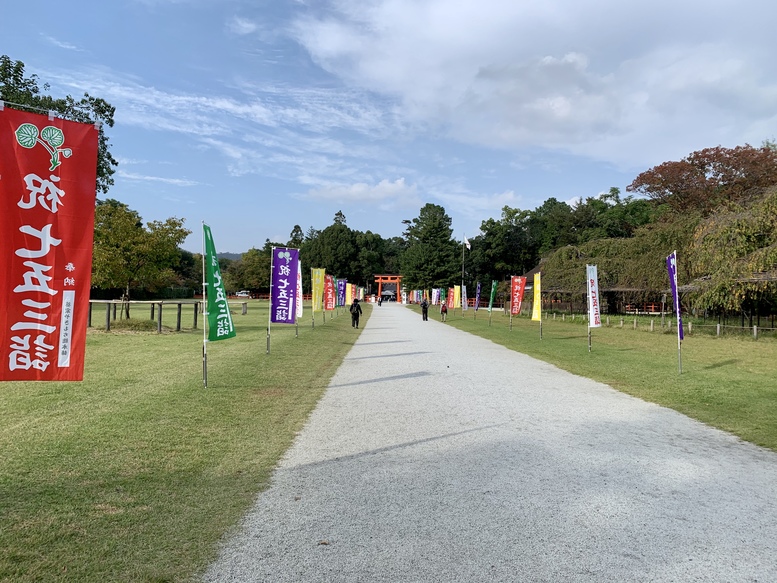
(317, 279)
(348, 294)
(536, 313)
(456, 296)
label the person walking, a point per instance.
(425, 309)
(443, 311)
(356, 311)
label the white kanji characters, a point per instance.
(70, 281)
(46, 241)
(20, 358)
(36, 275)
(70, 267)
(44, 192)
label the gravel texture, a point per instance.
(439, 456)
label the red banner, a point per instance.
(517, 287)
(330, 296)
(47, 198)
(451, 299)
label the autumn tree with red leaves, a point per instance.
(710, 178)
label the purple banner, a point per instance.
(283, 285)
(671, 267)
(477, 297)
(341, 283)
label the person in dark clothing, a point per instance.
(356, 311)
(425, 309)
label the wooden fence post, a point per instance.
(178, 318)
(718, 329)
(196, 311)
(755, 332)
(89, 317)
(245, 309)
(651, 324)
(159, 319)
(108, 317)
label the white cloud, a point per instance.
(241, 26)
(477, 205)
(61, 44)
(385, 193)
(146, 178)
(602, 79)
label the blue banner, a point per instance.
(283, 285)
(671, 266)
(341, 283)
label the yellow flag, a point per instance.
(456, 296)
(348, 294)
(317, 276)
(536, 313)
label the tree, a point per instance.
(431, 258)
(18, 90)
(505, 247)
(335, 249)
(251, 271)
(129, 255)
(608, 216)
(733, 255)
(296, 237)
(370, 255)
(550, 226)
(709, 178)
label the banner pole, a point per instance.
(269, 312)
(679, 322)
(461, 293)
(511, 320)
(205, 319)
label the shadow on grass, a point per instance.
(722, 364)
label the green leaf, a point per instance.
(27, 135)
(53, 136)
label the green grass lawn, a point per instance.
(136, 473)
(728, 382)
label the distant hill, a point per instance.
(231, 256)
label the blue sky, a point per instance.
(259, 115)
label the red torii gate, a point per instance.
(395, 279)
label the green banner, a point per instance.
(220, 324)
(493, 295)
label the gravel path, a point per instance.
(439, 456)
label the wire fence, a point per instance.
(668, 325)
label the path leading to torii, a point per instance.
(437, 456)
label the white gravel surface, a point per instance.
(439, 456)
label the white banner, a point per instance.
(594, 314)
(299, 289)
